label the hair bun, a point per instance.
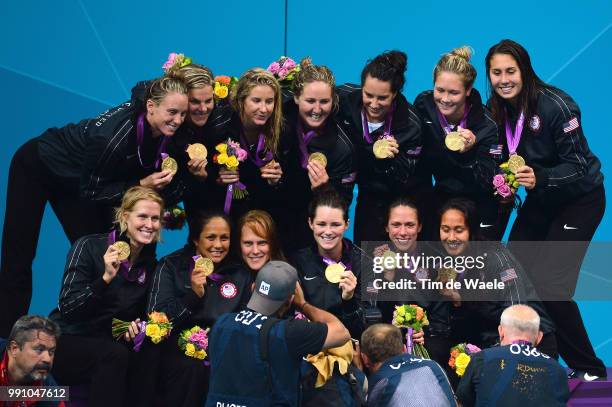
(464, 52)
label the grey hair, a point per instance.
(521, 319)
(28, 324)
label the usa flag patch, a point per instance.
(495, 149)
(571, 125)
(508, 274)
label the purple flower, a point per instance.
(274, 67)
(241, 154)
(504, 191)
(283, 72)
(498, 180)
(289, 64)
(472, 348)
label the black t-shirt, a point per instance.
(305, 337)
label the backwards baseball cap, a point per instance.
(274, 284)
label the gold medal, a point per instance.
(197, 151)
(454, 141)
(381, 149)
(318, 157)
(205, 264)
(333, 272)
(123, 248)
(385, 255)
(447, 274)
(515, 162)
(169, 163)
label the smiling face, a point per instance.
(505, 77)
(34, 361)
(403, 227)
(377, 99)
(201, 104)
(454, 232)
(328, 227)
(450, 94)
(166, 117)
(258, 106)
(214, 240)
(255, 249)
(143, 222)
(315, 104)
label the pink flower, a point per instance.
(504, 191)
(289, 64)
(472, 348)
(299, 315)
(200, 338)
(283, 72)
(274, 67)
(498, 181)
(241, 154)
(170, 61)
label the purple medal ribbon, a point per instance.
(444, 123)
(303, 141)
(124, 267)
(140, 140)
(329, 261)
(387, 131)
(409, 343)
(229, 195)
(214, 276)
(257, 157)
(514, 138)
(140, 336)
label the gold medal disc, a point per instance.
(169, 163)
(454, 141)
(318, 157)
(205, 264)
(447, 274)
(390, 254)
(333, 273)
(197, 151)
(515, 162)
(381, 149)
(123, 248)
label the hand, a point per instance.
(228, 177)
(348, 283)
(418, 337)
(132, 331)
(197, 167)
(526, 177)
(157, 180)
(452, 295)
(469, 139)
(111, 264)
(393, 147)
(271, 172)
(317, 174)
(357, 361)
(298, 297)
(198, 282)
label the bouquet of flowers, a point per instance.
(505, 183)
(157, 327)
(175, 62)
(284, 70)
(173, 218)
(414, 319)
(230, 154)
(222, 87)
(460, 357)
(194, 342)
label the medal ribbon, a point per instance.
(140, 140)
(514, 138)
(386, 132)
(229, 195)
(303, 141)
(214, 276)
(329, 261)
(261, 145)
(444, 123)
(409, 343)
(124, 267)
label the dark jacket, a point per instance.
(86, 303)
(171, 290)
(470, 173)
(394, 176)
(554, 145)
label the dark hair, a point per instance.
(28, 324)
(403, 201)
(387, 67)
(528, 98)
(468, 209)
(326, 195)
(198, 222)
(262, 224)
(381, 341)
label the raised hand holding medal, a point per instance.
(459, 140)
(196, 165)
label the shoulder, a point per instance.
(90, 242)
(422, 98)
(174, 260)
(303, 255)
(555, 102)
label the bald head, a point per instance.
(381, 341)
(519, 322)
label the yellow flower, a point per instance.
(461, 363)
(222, 158)
(222, 148)
(460, 372)
(201, 354)
(195, 329)
(221, 91)
(156, 339)
(232, 162)
(400, 320)
(401, 311)
(190, 349)
(163, 331)
(152, 330)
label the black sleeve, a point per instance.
(484, 166)
(304, 338)
(466, 393)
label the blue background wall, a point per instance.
(67, 60)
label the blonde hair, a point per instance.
(161, 87)
(195, 76)
(309, 73)
(130, 198)
(249, 80)
(458, 62)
